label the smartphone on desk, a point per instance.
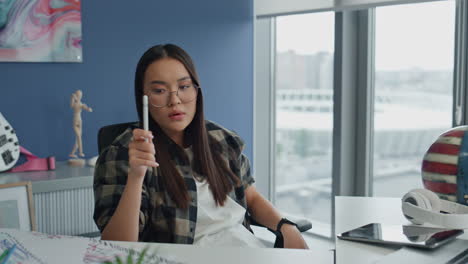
(402, 235)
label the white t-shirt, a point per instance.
(221, 225)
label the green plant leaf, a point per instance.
(130, 257)
(142, 256)
(131, 254)
(118, 260)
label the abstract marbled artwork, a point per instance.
(40, 30)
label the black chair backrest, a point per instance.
(108, 134)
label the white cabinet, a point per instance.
(63, 198)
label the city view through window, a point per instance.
(304, 116)
(413, 102)
(413, 90)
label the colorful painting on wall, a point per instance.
(40, 30)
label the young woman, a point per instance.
(186, 179)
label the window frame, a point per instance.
(353, 99)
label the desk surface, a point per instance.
(35, 247)
(224, 255)
(64, 177)
(352, 212)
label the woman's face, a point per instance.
(169, 74)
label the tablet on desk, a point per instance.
(416, 236)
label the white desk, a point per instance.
(224, 255)
(75, 250)
(352, 212)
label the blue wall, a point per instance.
(217, 34)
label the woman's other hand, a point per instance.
(292, 237)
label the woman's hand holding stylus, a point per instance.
(141, 153)
(124, 224)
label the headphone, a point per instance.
(421, 206)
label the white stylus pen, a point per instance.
(145, 119)
(145, 112)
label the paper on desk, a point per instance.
(39, 248)
(99, 251)
(21, 254)
(436, 256)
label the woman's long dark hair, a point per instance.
(207, 158)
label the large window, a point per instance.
(413, 90)
(304, 116)
(395, 89)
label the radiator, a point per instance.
(66, 212)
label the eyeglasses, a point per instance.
(161, 97)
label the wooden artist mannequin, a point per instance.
(77, 107)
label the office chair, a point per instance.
(106, 136)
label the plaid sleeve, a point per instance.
(110, 177)
(243, 163)
(245, 172)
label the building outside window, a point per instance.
(304, 116)
(414, 58)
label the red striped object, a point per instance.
(441, 172)
(454, 133)
(442, 148)
(440, 187)
(436, 167)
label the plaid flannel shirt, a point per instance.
(160, 219)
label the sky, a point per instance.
(407, 36)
